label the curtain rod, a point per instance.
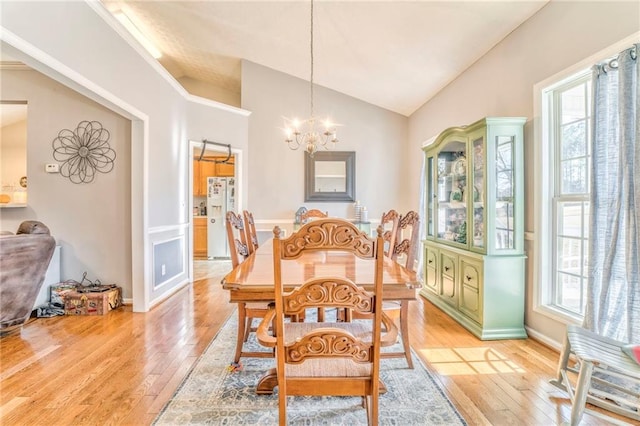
(613, 63)
(204, 147)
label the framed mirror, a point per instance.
(330, 176)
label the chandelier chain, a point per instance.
(311, 79)
(307, 133)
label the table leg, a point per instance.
(242, 323)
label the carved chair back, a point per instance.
(390, 222)
(237, 238)
(250, 226)
(409, 228)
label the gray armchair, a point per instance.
(24, 259)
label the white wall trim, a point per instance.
(168, 294)
(168, 228)
(554, 344)
(215, 104)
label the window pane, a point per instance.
(570, 296)
(570, 255)
(586, 219)
(573, 104)
(574, 176)
(570, 219)
(574, 140)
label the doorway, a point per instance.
(214, 189)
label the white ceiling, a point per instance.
(394, 54)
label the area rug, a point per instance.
(212, 394)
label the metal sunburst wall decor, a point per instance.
(84, 151)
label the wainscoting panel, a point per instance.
(168, 261)
(169, 255)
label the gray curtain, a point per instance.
(613, 290)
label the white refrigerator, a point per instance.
(220, 200)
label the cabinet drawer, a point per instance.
(470, 274)
(448, 265)
(431, 257)
(471, 289)
(470, 303)
(431, 270)
(448, 284)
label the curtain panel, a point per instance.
(613, 290)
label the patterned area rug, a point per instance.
(213, 395)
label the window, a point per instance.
(562, 173)
(563, 201)
(569, 118)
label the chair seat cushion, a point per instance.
(633, 352)
(330, 367)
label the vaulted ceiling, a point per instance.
(394, 54)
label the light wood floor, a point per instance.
(121, 368)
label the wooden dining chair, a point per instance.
(407, 248)
(312, 214)
(328, 358)
(239, 251)
(250, 226)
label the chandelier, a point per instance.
(310, 133)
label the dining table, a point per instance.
(253, 281)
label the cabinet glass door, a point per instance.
(430, 196)
(477, 167)
(452, 192)
(505, 226)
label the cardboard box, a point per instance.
(76, 303)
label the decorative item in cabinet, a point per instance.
(475, 227)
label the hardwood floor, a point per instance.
(121, 368)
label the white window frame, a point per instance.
(545, 217)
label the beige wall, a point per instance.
(94, 59)
(276, 173)
(91, 222)
(501, 84)
(13, 153)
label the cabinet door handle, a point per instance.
(430, 261)
(468, 277)
(446, 268)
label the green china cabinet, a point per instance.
(474, 259)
